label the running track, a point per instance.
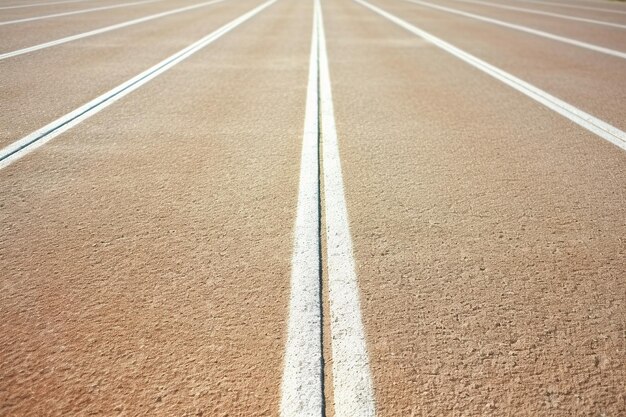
(312, 208)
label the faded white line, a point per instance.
(95, 9)
(103, 30)
(572, 6)
(589, 122)
(536, 32)
(352, 381)
(538, 12)
(301, 389)
(22, 6)
(42, 136)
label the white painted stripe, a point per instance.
(534, 11)
(301, 389)
(589, 122)
(42, 136)
(572, 6)
(95, 9)
(22, 6)
(352, 380)
(103, 30)
(536, 32)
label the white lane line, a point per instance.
(103, 30)
(22, 6)
(534, 11)
(589, 122)
(352, 380)
(536, 32)
(302, 383)
(95, 9)
(572, 6)
(29, 143)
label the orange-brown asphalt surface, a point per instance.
(145, 253)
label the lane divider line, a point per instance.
(352, 381)
(572, 6)
(21, 6)
(95, 9)
(525, 29)
(302, 382)
(542, 13)
(103, 30)
(29, 143)
(302, 389)
(583, 119)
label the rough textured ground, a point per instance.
(489, 234)
(585, 78)
(145, 254)
(94, 65)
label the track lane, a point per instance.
(603, 8)
(585, 120)
(38, 96)
(487, 233)
(526, 10)
(37, 18)
(196, 176)
(45, 4)
(106, 29)
(42, 136)
(601, 36)
(14, 37)
(591, 77)
(26, 9)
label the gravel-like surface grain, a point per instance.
(488, 231)
(145, 253)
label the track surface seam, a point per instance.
(302, 390)
(302, 381)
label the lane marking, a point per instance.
(533, 11)
(352, 380)
(103, 30)
(29, 143)
(95, 9)
(536, 32)
(302, 384)
(583, 119)
(302, 392)
(21, 6)
(571, 6)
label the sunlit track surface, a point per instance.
(75, 12)
(105, 29)
(57, 127)
(543, 13)
(313, 208)
(31, 34)
(525, 29)
(587, 6)
(45, 4)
